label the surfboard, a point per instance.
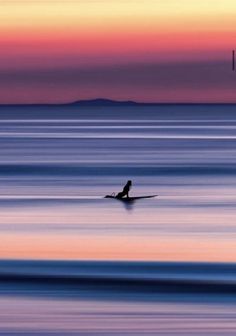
(130, 199)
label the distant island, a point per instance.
(104, 102)
(86, 103)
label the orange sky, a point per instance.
(64, 46)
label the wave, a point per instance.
(109, 283)
(58, 170)
(138, 277)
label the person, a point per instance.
(125, 191)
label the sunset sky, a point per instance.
(143, 50)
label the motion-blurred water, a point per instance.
(57, 163)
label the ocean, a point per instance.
(75, 263)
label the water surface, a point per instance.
(58, 163)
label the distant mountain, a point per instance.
(103, 102)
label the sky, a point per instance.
(56, 51)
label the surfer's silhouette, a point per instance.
(125, 191)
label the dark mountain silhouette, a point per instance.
(103, 102)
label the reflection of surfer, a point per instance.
(125, 191)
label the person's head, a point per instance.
(129, 182)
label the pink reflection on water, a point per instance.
(23, 315)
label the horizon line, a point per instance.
(105, 101)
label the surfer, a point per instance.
(125, 191)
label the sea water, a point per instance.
(75, 263)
